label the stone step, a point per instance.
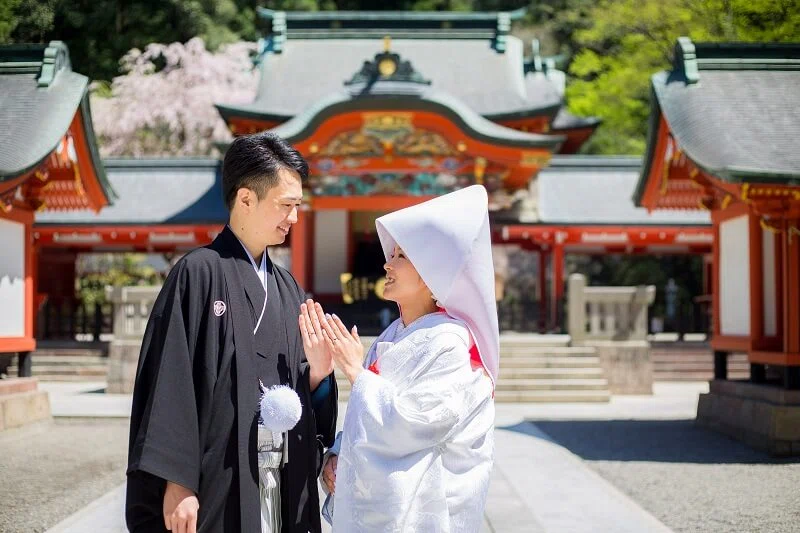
(69, 378)
(67, 359)
(509, 373)
(695, 365)
(550, 396)
(533, 339)
(553, 384)
(95, 370)
(695, 376)
(695, 358)
(548, 351)
(70, 352)
(539, 361)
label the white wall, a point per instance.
(330, 250)
(12, 279)
(769, 284)
(734, 276)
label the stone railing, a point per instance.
(613, 320)
(607, 313)
(132, 307)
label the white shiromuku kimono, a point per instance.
(417, 443)
(417, 446)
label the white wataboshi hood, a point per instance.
(448, 241)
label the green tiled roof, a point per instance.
(39, 96)
(494, 85)
(733, 108)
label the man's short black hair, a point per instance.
(253, 162)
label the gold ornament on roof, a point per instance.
(387, 44)
(387, 67)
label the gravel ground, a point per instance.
(691, 479)
(50, 470)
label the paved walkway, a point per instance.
(538, 486)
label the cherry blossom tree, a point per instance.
(164, 103)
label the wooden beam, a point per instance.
(730, 343)
(367, 203)
(22, 216)
(17, 344)
(715, 284)
(95, 197)
(542, 291)
(654, 179)
(774, 358)
(90, 237)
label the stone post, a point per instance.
(576, 321)
(617, 330)
(132, 307)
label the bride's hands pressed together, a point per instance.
(345, 346)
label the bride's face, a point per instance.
(403, 282)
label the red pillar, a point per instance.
(300, 246)
(791, 287)
(756, 238)
(542, 291)
(558, 283)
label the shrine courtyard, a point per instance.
(634, 464)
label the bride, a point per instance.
(416, 449)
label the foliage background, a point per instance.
(608, 47)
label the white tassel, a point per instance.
(280, 409)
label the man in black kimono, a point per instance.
(225, 319)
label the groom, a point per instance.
(224, 322)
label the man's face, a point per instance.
(270, 219)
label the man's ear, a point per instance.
(245, 197)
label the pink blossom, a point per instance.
(164, 103)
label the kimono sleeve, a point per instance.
(399, 421)
(164, 437)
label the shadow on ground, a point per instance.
(666, 441)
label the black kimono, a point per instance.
(195, 401)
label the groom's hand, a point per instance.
(329, 473)
(180, 509)
(317, 353)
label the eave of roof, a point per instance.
(730, 69)
(42, 75)
(412, 97)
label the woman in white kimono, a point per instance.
(417, 445)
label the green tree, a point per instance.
(8, 19)
(100, 32)
(97, 271)
(627, 271)
(629, 40)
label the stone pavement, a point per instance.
(538, 486)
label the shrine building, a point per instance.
(723, 139)
(49, 162)
(387, 119)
